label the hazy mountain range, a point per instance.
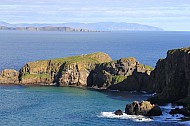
(100, 26)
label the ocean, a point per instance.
(69, 106)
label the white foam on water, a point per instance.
(166, 117)
(135, 118)
(170, 106)
(187, 123)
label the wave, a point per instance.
(136, 118)
(170, 106)
(166, 117)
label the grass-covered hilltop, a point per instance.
(170, 78)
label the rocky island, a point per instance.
(170, 78)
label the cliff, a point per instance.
(95, 70)
(125, 74)
(62, 71)
(10, 76)
(171, 77)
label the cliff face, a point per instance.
(124, 74)
(64, 71)
(9, 75)
(171, 77)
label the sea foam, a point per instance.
(135, 118)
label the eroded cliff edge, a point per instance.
(171, 77)
(95, 70)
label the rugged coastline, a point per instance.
(170, 78)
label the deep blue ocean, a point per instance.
(69, 106)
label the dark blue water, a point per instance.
(19, 47)
(75, 106)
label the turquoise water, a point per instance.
(77, 106)
(64, 106)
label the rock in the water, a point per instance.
(171, 77)
(174, 111)
(124, 74)
(184, 111)
(155, 111)
(144, 108)
(118, 112)
(9, 76)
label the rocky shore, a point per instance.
(170, 79)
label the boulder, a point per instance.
(155, 111)
(118, 112)
(143, 108)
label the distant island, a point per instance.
(79, 27)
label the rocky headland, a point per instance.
(46, 28)
(170, 79)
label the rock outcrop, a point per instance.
(125, 74)
(171, 77)
(9, 76)
(64, 71)
(143, 108)
(184, 111)
(118, 112)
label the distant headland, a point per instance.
(79, 27)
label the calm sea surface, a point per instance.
(77, 106)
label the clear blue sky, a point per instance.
(167, 14)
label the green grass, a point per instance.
(149, 67)
(27, 75)
(118, 78)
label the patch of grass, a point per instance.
(118, 78)
(149, 68)
(27, 75)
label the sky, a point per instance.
(172, 15)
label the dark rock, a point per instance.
(155, 111)
(174, 111)
(126, 74)
(144, 108)
(118, 112)
(171, 77)
(184, 111)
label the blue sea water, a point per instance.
(71, 106)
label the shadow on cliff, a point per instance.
(138, 81)
(58, 75)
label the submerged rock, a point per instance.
(118, 112)
(143, 108)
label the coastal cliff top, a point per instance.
(98, 57)
(186, 49)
